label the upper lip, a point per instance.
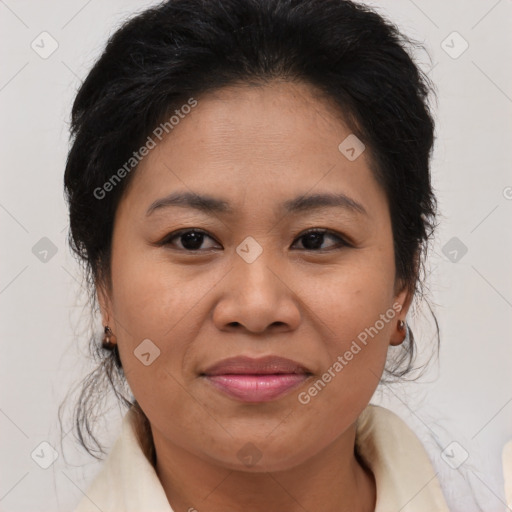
(256, 366)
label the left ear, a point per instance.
(403, 298)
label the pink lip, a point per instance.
(257, 388)
(256, 379)
(252, 366)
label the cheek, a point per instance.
(154, 301)
(357, 319)
(161, 302)
(350, 299)
(151, 296)
(353, 307)
(148, 304)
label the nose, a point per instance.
(257, 297)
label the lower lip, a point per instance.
(257, 388)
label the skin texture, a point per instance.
(254, 146)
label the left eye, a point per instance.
(315, 237)
(192, 239)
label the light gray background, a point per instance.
(464, 398)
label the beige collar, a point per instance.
(406, 480)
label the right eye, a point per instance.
(190, 239)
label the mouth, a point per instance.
(256, 380)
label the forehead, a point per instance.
(266, 142)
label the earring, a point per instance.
(109, 339)
(402, 327)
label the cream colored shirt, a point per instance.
(404, 475)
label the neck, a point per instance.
(333, 480)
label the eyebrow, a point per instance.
(206, 203)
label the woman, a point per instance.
(249, 190)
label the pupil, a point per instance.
(192, 240)
(316, 238)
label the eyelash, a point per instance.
(179, 233)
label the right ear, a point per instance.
(104, 303)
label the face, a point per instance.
(253, 282)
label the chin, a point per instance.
(259, 457)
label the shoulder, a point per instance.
(378, 425)
(127, 479)
(402, 469)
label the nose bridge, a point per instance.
(252, 273)
(254, 296)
